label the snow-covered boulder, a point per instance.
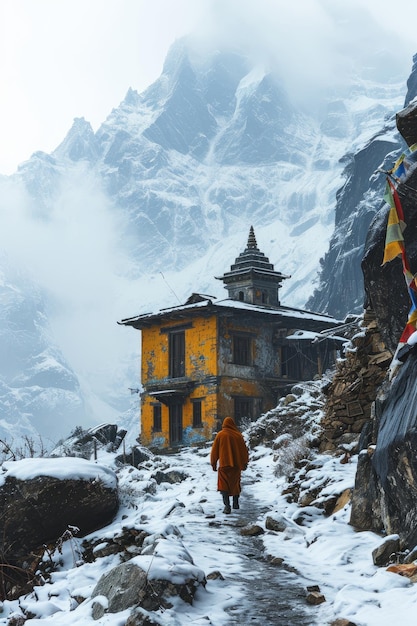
(149, 581)
(40, 498)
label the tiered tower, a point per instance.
(252, 277)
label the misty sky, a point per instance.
(62, 59)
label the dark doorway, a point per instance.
(175, 424)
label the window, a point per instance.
(242, 350)
(177, 354)
(197, 422)
(157, 418)
(291, 363)
(241, 296)
(243, 408)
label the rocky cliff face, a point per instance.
(341, 287)
(385, 495)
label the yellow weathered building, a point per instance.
(208, 358)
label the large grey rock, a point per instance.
(385, 494)
(123, 587)
(387, 551)
(85, 443)
(395, 458)
(129, 585)
(366, 508)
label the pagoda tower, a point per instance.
(252, 277)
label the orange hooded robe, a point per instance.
(230, 451)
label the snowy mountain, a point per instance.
(37, 386)
(159, 200)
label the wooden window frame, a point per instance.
(239, 402)
(242, 349)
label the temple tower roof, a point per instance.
(252, 277)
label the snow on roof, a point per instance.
(280, 311)
(163, 391)
(304, 334)
(63, 468)
(314, 337)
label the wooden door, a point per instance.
(175, 424)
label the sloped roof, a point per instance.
(297, 317)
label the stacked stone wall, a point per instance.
(350, 395)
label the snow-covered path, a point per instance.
(258, 593)
(272, 594)
(252, 591)
(186, 519)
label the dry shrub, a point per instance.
(290, 454)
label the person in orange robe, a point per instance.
(230, 452)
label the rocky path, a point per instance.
(272, 594)
(254, 592)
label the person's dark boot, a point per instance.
(236, 502)
(226, 502)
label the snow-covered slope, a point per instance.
(160, 199)
(258, 561)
